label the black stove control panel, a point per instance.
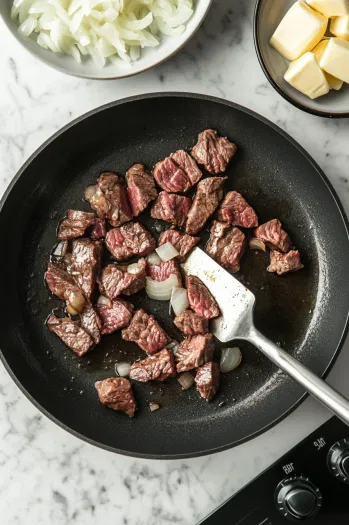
(309, 484)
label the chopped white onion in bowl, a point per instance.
(179, 300)
(104, 29)
(186, 380)
(153, 258)
(123, 369)
(166, 252)
(230, 359)
(161, 290)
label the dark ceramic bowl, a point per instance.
(268, 14)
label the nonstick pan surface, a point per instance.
(306, 312)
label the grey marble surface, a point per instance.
(46, 475)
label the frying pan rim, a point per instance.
(286, 136)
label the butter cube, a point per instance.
(340, 26)
(318, 51)
(299, 31)
(330, 8)
(335, 59)
(306, 75)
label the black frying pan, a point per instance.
(306, 312)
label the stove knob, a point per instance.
(297, 498)
(338, 460)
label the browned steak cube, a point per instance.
(213, 151)
(117, 279)
(62, 284)
(110, 199)
(181, 241)
(235, 210)
(115, 314)
(146, 332)
(226, 245)
(207, 380)
(161, 272)
(171, 208)
(99, 230)
(140, 188)
(85, 264)
(282, 263)
(274, 236)
(131, 239)
(71, 333)
(190, 323)
(177, 173)
(209, 193)
(116, 393)
(194, 351)
(158, 367)
(75, 224)
(91, 323)
(200, 298)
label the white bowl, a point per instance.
(88, 69)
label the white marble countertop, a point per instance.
(48, 476)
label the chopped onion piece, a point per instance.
(90, 191)
(104, 301)
(60, 249)
(161, 291)
(134, 268)
(230, 359)
(153, 406)
(153, 258)
(166, 252)
(123, 369)
(71, 310)
(257, 244)
(186, 380)
(179, 300)
(77, 301)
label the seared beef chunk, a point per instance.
(110, 199)
(99, 230)
(181, 241)
(213, 152)
(177, 173)
(207, 380)
(200, 299)
(75, 337)
(146, 332)
(140, 188)
(209, 193)
(171, 208)
(62, 284)
(75, 224)
(131, 239)
(85, 264)
(236, 211)
(226, 245)
(116, 393)
(115, 314)
(282, 263)
(161, 272)
(157, 367)
(91, 323)
(118, 279)
(190, 323)
(274, 236)
(194, 351)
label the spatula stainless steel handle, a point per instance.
(324, 393)
(236, 303)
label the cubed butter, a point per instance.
(299, 31)
(340, 26)
(318, 51)
(306, 75)
(335, 59)
(330, 8)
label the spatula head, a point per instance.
(235, 301)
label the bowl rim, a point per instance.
(125, 73)
(318, 113)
